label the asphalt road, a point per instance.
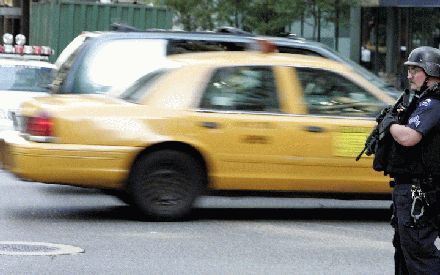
(225, 235)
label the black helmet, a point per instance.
(427, 58)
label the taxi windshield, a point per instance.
(25, 78)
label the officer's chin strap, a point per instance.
(423, 89)
(424, 85)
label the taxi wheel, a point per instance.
(165, 184)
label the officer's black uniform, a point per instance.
(414, 239)
(417, 241)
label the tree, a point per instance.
(231, 12)
(270, 17)
(328, 11)
(193, 14)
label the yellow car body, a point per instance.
(97, 139)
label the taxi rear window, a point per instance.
(242, 88)
(139, 89)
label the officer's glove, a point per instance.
(383, 113)
(388, 120)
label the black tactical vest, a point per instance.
(420, 160)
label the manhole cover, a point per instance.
(37, 249)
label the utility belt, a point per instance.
(428, 182)
(425, 193)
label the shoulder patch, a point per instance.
(414, 120)
(425, 102)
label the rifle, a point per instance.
(375, 136)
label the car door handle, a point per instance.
(314, 129)
(209, 125)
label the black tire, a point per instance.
(164, 184)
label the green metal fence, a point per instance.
(55, 23)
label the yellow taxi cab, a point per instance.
(206, 121)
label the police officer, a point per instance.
(414, 163)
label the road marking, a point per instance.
(18, 248)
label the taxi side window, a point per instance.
(328, 93)
(244, 88)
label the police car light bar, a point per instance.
(20, 49)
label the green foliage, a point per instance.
(258, 16)
(193, 14)
(230, 12)
(271, 16)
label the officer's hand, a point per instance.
(388, 120)
(401, 108)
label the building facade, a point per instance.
(14, 16)
(391, 29)
(378, 34)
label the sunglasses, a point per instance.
(414, 70)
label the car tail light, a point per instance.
(40, 128)
(19, 49)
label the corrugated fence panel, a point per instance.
(66, 23)
(40, 23)
(80, 15)
(55, 23)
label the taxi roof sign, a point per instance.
(266, 46)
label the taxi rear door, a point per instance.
(241, 128)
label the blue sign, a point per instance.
(409, 3)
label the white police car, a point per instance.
(25, 72)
